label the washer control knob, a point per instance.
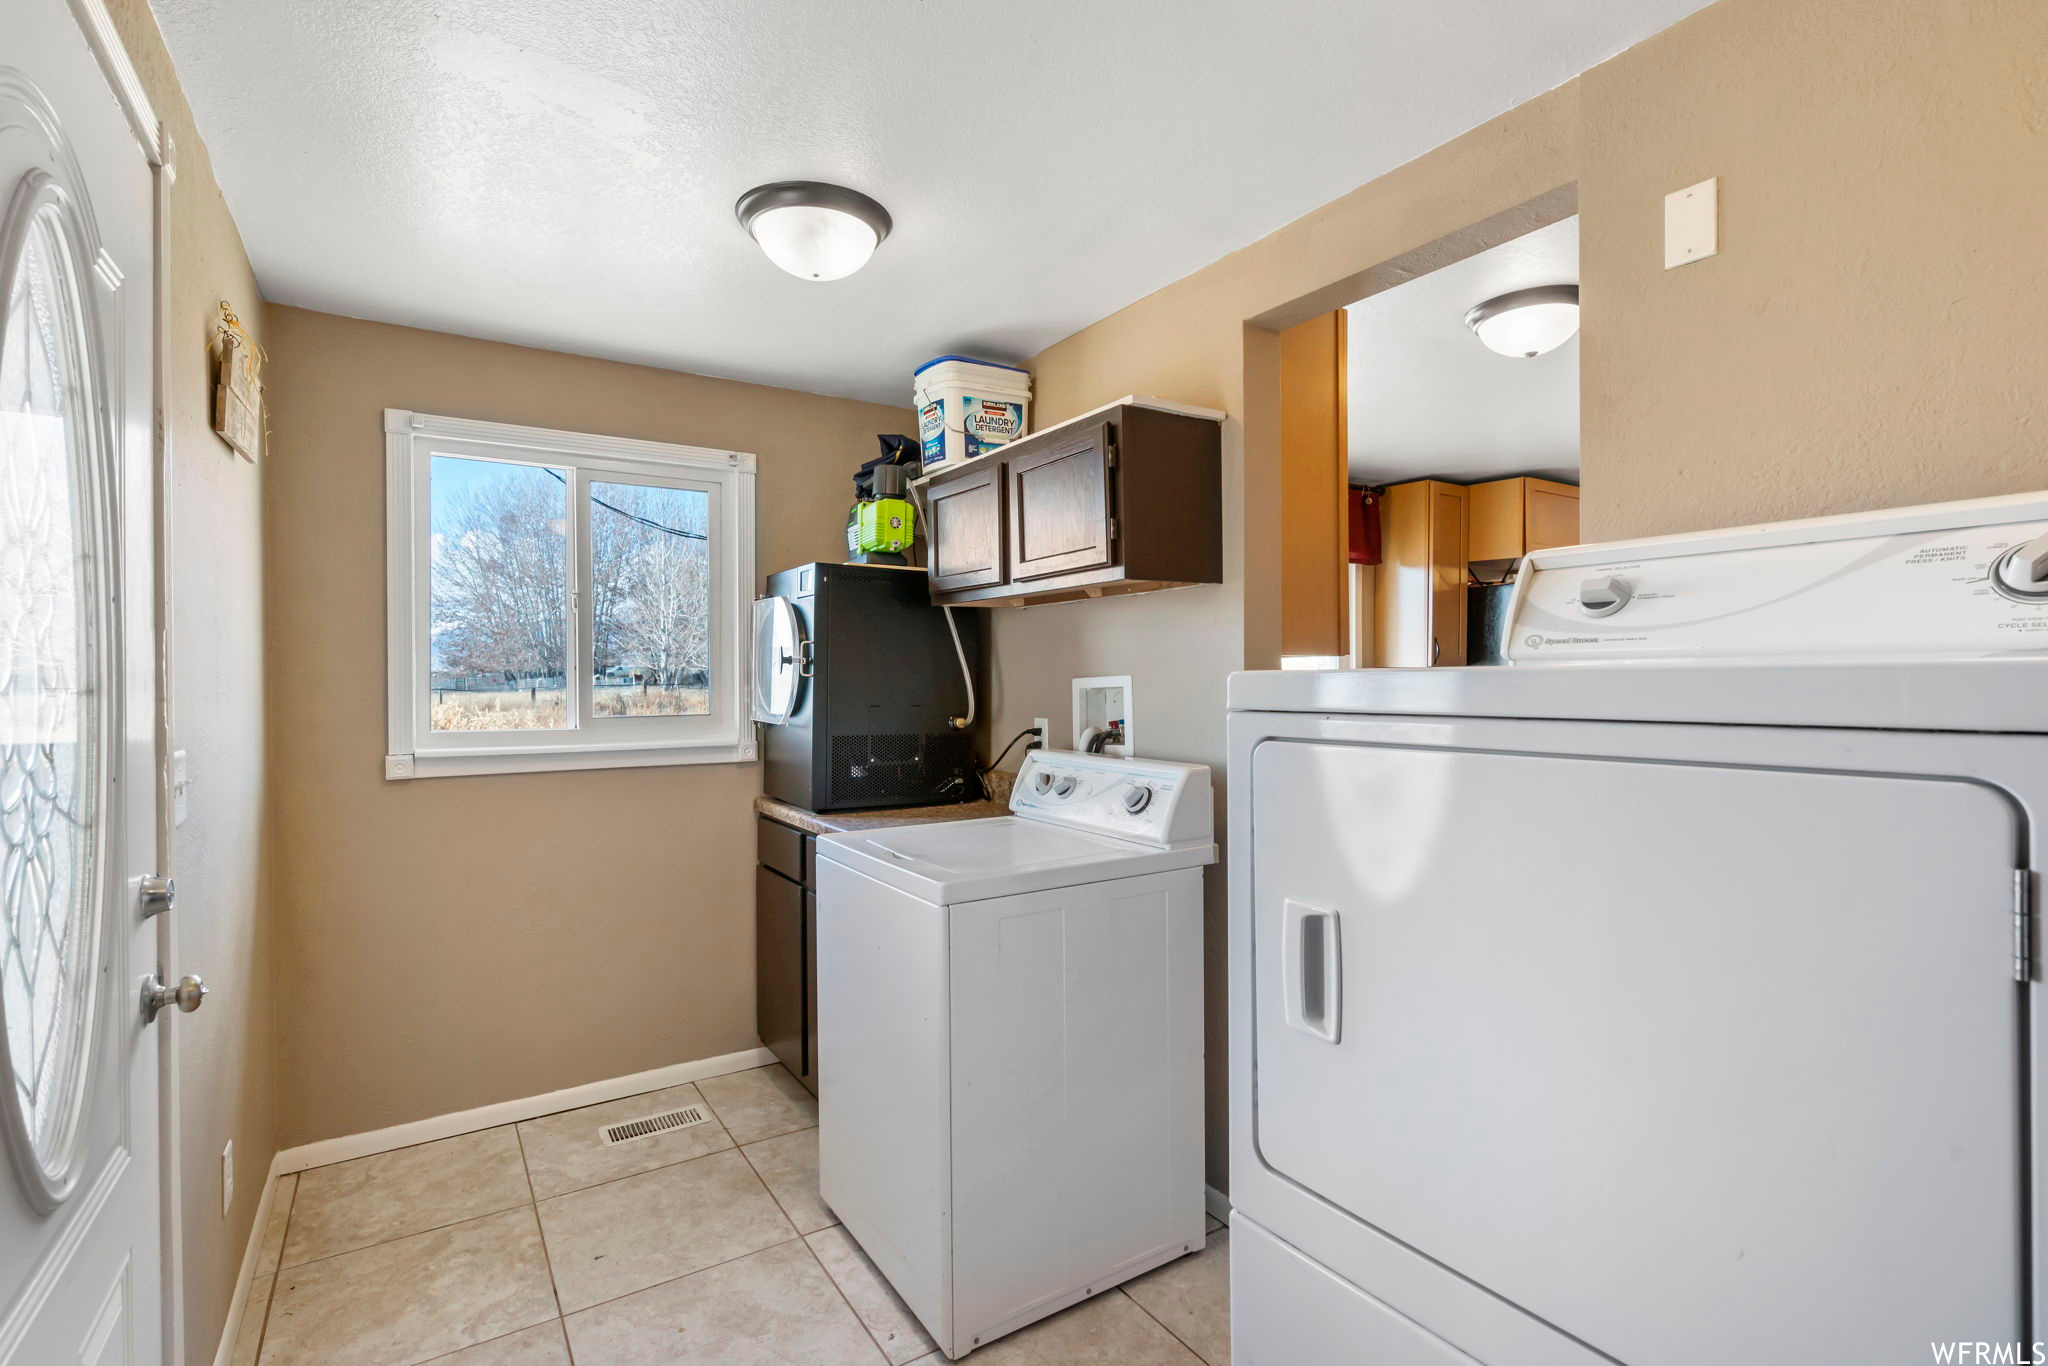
(1603, 597)
(1064, 787)
(2024, 569)
(1041, 782)
(1137, 797)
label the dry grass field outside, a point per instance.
(521, 709)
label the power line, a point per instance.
(648, 522)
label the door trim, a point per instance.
(97, 23)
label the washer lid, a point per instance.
(951, 861)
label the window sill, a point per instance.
(473, 763)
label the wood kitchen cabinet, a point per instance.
(1508, 518)
(965, 530)
(1060, 517)
(1419, 589)
(785, 947)
(1127, 499)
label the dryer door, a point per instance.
(781, 659)
(1698, 1065)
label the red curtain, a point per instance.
(1365, 526)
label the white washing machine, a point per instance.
(1012, 1120)
(1666, 998)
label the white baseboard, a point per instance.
(246, 1277)
(333, 1150)
(1218, 1203)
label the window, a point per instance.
(563, 601)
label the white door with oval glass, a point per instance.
(80, 1221)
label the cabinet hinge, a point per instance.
(2022, 926)
(1112, 531)
(1109, 450)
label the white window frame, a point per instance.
(415, 750)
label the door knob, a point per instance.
(186, 995)
(159, 894)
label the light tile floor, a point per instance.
(534, 1244)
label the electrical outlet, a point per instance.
(1044, 740)
(227, 1178)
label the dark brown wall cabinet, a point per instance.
(964, 529)
(1124, 501)
(785, 947)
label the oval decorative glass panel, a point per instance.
(52, 755)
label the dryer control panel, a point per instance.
(1146, 800)
(1949, 579)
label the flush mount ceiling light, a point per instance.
(817, 231)
(1527, 322)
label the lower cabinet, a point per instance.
(786, 950)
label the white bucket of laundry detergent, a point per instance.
(967, 408)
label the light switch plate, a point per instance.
(227, 1178)
(1692, 223)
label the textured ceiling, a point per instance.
(1428, 400)
(563, 175)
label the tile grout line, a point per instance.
(840, 1290)
(742, 1147)
(1163, 1325)
(276, 1272)
(730, 1146)
(387, 1242)
(546, 1258)
(684, 1277)
(1123, 1288)
(488, 1341)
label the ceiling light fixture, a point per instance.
(1527, 322)
(817, 231)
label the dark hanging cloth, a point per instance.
(1365, 526)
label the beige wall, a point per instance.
(1871, 333)
(227, 1058)
(451, 942)
(1868, 335)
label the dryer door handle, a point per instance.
(1313, 990)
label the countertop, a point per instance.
(839, 822)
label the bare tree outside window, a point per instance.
(499, 595)
(650, 572)
(500, 606)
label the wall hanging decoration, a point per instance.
(238, 390)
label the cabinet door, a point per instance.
(809, 1075)
(779, 987)
(1552, 516)
(965, 531)
(1060, 505)
(1495, 514)
(1448, 574)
